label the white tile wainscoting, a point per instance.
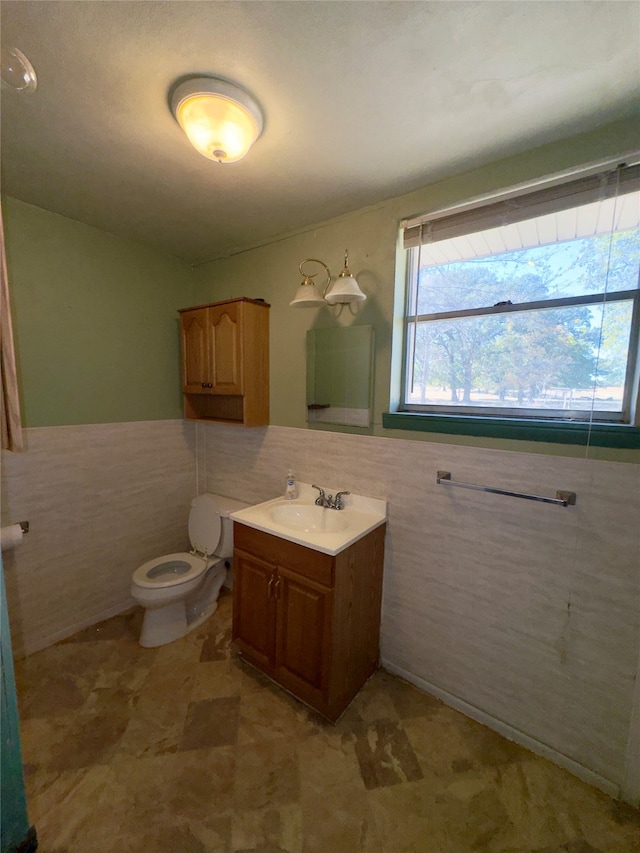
(525, 615)
(100, 500)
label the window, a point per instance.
(527, 306)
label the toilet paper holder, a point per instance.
(12, 535)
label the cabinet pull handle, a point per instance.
(269, 585)
(277, 593)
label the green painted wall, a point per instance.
(371, 235)
(95, 321)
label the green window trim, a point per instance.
(521, 429)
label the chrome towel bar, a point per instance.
(443, 478)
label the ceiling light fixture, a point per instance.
(221, 120)
(345, 289)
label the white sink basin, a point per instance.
(308, 518)
(327, 530)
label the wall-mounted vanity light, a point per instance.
(345, 288)
(221, 120)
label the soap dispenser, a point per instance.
(291, 492)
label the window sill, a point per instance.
(521, 429)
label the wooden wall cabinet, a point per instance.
(308, 620)
(225, 361)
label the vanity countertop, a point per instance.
(300, 520)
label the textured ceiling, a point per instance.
(362, 101)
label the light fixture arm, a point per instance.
(307, 278)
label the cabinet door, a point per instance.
(225, 332)
(303, 636)
(195, 352)
(254, 609)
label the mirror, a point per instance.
(339, 375)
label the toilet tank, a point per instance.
(225, 506)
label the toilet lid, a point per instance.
(204, 524)
(170, 570)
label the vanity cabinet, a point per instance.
(309, 620)
(225, 361)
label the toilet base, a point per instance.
(162, 625)
(202, 617)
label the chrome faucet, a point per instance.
(337, 503)
(329, 501)
(322, 500)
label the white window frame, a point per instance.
(524, 202)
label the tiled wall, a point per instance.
(100, 500)
(527, 613)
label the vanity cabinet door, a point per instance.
(303, 636)
(254, 609)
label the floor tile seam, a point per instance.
(66, 714)
(264, 742)
(150, 731)
(92, 715)
(184, 698)
(84, 641)
(141, 736)
(138, 753)
(151, 709)
(174, 754)
(50, 767)
(46, 728)
(55, 681)
(124, 668)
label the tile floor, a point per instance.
(186, 749)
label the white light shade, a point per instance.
(221, 121)
(345, 289)
(307, 296)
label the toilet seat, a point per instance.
(170, 570)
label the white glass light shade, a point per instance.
(307, 296)
(221, 121)
(345, 289)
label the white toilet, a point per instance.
(180, 591)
